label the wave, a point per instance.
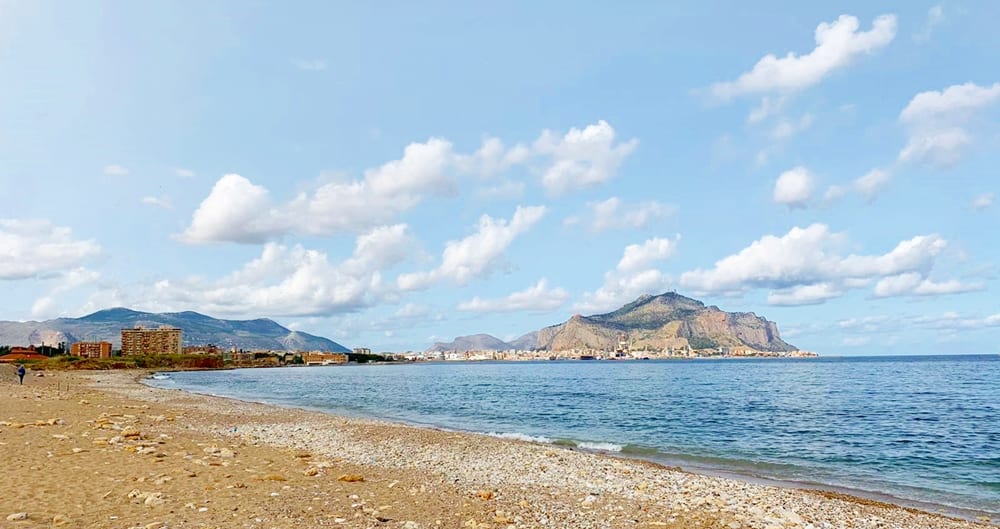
(160, 376)
(521, 437)
(604, 447)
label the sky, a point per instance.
(393, 174)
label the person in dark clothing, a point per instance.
(20, 374)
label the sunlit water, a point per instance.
(923, 429)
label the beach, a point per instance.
(100, 449)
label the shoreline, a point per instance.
(664, 461)
(230, 463)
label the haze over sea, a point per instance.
(919, 429)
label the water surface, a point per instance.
(920, 429)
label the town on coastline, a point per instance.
(167, 341)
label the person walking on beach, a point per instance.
(20, 373)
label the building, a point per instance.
(318, 358)
(362, 351)
(200, 349)
(162, 341)
(20, 354)
(91, 349)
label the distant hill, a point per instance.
(475, 342)
(653, 322)
(198, 329)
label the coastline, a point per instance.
(258, 465)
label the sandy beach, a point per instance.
(99, 449)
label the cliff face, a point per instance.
(667, 320)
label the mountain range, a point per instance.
(198, 329)
(649, 322)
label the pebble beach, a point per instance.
(100, 449)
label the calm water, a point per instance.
(917, 428)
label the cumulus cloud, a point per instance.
(115, 170)
(477, 255)
(581, 158)
(290, 281)
(38, 248)
(838, 44)
(47, 306)
(807, 265)
(634, 276)
(938, 122)
(984, 201)
(238, 210)
(538, 298)
(613, 213)
(794, 187)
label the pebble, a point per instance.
(17, 516)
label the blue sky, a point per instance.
(390, 175)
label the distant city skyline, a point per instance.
(388, 178)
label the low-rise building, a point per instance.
(321, 358)
(91, 349)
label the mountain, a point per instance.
(199, 329)
(475, 342)
(650, 322)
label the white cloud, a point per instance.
(804, 294)
(935, 15)
(538, 298)
(938, 122)
(787, 128)
(794, 188)
(837, 45)
(833, 194)
(614, 214)
(767, 108)
(807, 265)
(581, 158)
(952, 321)
(915, 284)
(634, 276)
(236, 210)
(160, 202)
(310, 65)
(983, 201)
(504, 190)
(477, 255)
(856, 341)
(115, 170)
(46, 306)
(872, 182)
(185, 173)
(37, 248)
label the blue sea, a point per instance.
(915, 430)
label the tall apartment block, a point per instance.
(91, 349)
(162, 341)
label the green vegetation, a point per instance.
(701, 342)
(65, 362)
(365, 358)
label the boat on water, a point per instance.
(588, 357)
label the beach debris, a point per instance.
(131, 432)
(351, 478)
(59, 520)
(485, 494)
(18, 516)
(311, 471)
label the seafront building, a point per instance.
(320, 358)
(162, 341)
(91, 349)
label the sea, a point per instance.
(922, 431)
